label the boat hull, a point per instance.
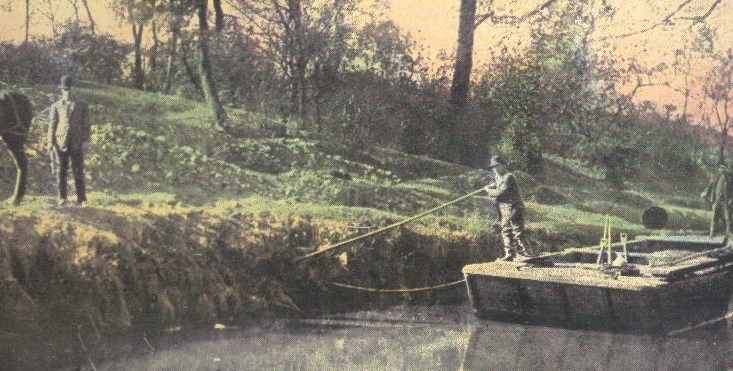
(590, 299)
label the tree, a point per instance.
(468, 21)
(559, 92)
(138, 14)
(176, 20)
(464, 54)
(96, 56)
(309, 40)
(7, 6)
(49, 9)
(718, 88)
(141, 13)
(385, 51)
(206, 71)
(90, 18)
(27, 20)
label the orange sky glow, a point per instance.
(433, 24)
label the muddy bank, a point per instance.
(70, 276)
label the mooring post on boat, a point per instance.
(605, 241)
(622, 260)
(624, 239)
(609, 241)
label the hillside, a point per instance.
(191, 226)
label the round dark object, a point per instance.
(655, 217)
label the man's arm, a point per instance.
(708, 192)
(53, 121)
(86, 127)
(501, 185)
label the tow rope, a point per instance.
(416, 289)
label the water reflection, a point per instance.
(498, 346)
(423, 339)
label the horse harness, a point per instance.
(17, 128)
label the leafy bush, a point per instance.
(76, 52)
(519, 144)
(547, 196)
(98, 57)
(31, 63)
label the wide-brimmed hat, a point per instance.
(66, 82)
(497, 160)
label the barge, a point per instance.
(650, 285)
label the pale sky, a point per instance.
(436, 26)
(434, 23)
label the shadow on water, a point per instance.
(417, 338)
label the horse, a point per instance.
(16, 114)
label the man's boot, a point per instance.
(509, 255)
(523, 248)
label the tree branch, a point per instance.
(705, 16)
(512, 18)
(667, 20)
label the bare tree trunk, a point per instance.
(75, 5)
(27, 20)
(460, 85)
(92, 24)
(218, 16)
(175, 32)
(205, 70)
(154, 55)
(50, 14)
(723, 144)
(300, 61)
(192, 76)
(153, 77)
(138, 75)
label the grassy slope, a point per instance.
(207, 224)
(161, 149)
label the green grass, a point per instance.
(160, 149)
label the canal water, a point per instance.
(414, 338)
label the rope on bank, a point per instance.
(86, 351)
(416, 289)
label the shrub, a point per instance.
(547, 196)
(30, 63)
(519, 144)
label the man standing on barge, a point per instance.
(718, 195)
(505, 190)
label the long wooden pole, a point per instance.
(394, 225)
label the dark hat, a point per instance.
(497, 160)
(66, 82)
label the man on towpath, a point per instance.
(68, 135)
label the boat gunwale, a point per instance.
(651, 277)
